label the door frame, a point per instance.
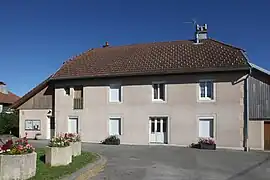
(166, 135)
(48, 128)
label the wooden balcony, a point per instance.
(78, 103)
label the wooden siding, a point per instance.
(259, 99)
(42, 100)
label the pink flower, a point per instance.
(20, 147)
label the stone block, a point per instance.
(21, 166)
(58, 156)
(76, 148)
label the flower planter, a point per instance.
(21, 166)
(57, 156)
(76, 148)
(207, 146)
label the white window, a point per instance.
(206, 90)
(115, 126)
(32, 125)
(115, 93)
(158, 91)
(206, 127)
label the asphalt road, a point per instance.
(176, 163)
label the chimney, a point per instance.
(106, 44)
(3, 88)
(201, 32)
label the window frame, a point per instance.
(32, 129)
(120, 94)
(153, 91)
(200, 98)
(209, 118)
(120, 125)
(80, 99)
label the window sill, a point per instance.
(115, 102)
(159, 101)
(206, 100)
(32, 130)
(75, 109)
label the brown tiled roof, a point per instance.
(154, 58)
(31, 93)
(8, 98)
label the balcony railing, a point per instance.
(78, 103)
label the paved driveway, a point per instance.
(176, 163)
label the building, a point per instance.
(7, 98)
(163, 92)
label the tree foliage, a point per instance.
(9, 123)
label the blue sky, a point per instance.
(36, 37)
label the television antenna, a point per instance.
(193, 21)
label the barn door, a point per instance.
(267, 135)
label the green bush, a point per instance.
(111, 140)
(9, 123)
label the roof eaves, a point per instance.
(225, 69)
(260, 68)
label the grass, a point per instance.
(44, 171)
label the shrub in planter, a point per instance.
(207, 143)
(111, 140)
(75, 143)
(17, 160)
(58, 152)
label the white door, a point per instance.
(204, 128)
(73, 125)
(48, 128)
(157, 130)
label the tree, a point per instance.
(9, 123)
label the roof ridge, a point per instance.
(225, 44)
(140, 44)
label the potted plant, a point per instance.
(17, 159)
(207, 143)
(111, 140)
(75, 143)
(37, 136)
(58, 152)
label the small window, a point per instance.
(67, 91)
(115, 126)
(159, 91)
(32, 125)
(206, 127)
(78, 98)
(115, 93)
(206, 90)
